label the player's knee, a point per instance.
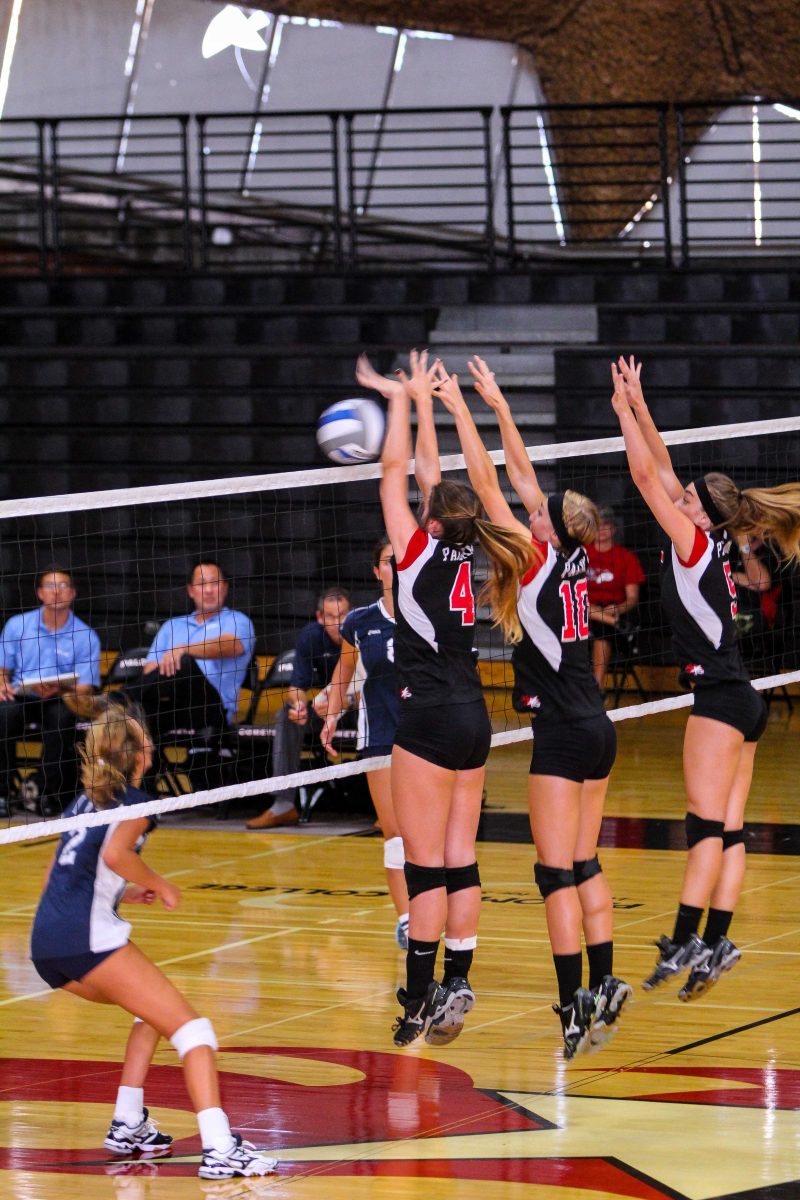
(732, 837)
(698, 829)
(394, 856)
(585, 868)
(459, 878)
(194, 1033)
(423, 879)
(552, 879)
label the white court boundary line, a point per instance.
(262, 787)
(244, 484)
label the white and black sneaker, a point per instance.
(451, 1003)
(609, 999)
(241, 1159)
(675, 958)
(721, 958)
(413, 1022)
(576, 1022)
(145, 1137)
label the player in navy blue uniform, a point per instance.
(574, 741)
(443, 735)
(81, 944)
(368, 634)
(699, 599)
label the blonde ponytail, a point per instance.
(511, 555)
(108, 755)
(771, 513)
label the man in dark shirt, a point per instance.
(317, 652)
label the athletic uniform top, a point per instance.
(609, 572)
(434, 606)
(78, 909)
(371, 630)
(699, 600)
(552, 674)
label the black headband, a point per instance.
(555, 507)
(712, 512)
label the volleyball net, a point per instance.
(121, 562)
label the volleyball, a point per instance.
(351, 431)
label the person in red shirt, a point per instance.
(614, 576)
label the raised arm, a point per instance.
(631, 372)
(419, 386)
(481, 469)
(401, 524)
(519, 467)
(646, 475)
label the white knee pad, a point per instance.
(199, 1032)
(394, 856)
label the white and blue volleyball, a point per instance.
(351, 431)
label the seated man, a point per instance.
(317, 652)
(197, 662)
(614, 576)
(46, 655)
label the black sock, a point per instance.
(420, 967)
(568, 974)
(456, 963)
(601, 961)
(686, 923)
(718, 923)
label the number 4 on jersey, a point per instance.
(461, 598)
(575, 598)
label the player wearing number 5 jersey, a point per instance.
(443, 735)
(574, 741)
(728, 715)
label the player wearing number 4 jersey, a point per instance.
(443, 735)
(729, 716)
(574, 741)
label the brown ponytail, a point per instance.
(771, 513)
(511, 555)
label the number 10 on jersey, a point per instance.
(575, 598)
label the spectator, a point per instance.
(614, 576)
(46, 655)
(317, 651)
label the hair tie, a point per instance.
(712, 512)
(555, 507)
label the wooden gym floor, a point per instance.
(285, 940)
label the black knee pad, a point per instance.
(732, 837)
(552, 879)
(585, 868)
(698, 829)
(458, 878)
(423, 879)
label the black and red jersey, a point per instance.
(435, 660)
(553, 678)
(699, 601)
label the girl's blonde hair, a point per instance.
(581, 517)
(772, 513)
(108, 756)
(510, 553)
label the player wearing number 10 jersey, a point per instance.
(574, 741)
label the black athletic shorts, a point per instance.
(577, 750)
(736, 703)
(454, 736)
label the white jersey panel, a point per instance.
(538, 630)
(687, 582)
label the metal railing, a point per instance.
(355, 189)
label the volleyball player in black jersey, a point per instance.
(574, 741)
(443, 734)
(699, 598)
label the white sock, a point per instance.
(130, 1106)
(403, 919)
(215, 1132)
(281, 806)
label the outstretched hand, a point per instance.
(368, 377)
(631, 372)
(620, 397)
(485, 384)
(421, 382)
(447, 390)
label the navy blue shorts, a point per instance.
(454, 736)
(735, 702)
(374, 751)
(71, 968)
(576, 750)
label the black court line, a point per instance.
(716, 1037)
(770, 1191)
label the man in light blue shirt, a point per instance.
(46, 654)
(219, 640)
